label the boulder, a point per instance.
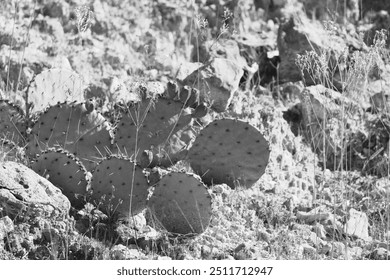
(26, 195)
(297, 36)
(6, 226)
(227, 49)
(216, 82)
(357, 225)
(318, 106)
(210, 49)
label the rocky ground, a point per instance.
(312, 77)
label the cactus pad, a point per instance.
(77, 128)
(229, 151)
(117, 182)
(53, 86)
(164, 129)
(181, 203)
(12, 124)
(64, 171)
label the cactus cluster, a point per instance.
(90, 159)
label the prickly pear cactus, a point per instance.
(12, 126)
(229, 151)
(162, 127)
(77, 128)
(53, 86)
(118, 183)
(66, 172)
(181, 203)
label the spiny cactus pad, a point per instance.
(77, 128)
(53, 86)
(229, 151)
(64, 171)
(12, 124)
(181, 203)
(164, 129)
(117, 182)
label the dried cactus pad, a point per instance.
(117, 182)
(164, 128)
(53, 86)
(77, 128)
(231, 152)
(64, 171)
(12, 125)
(181, 203)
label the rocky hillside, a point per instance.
(207, 129)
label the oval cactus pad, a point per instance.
(77, 128)
(12, 125)
(66, 172)
(181, 203)
(117, 184)
(231, 152)
(164, 128)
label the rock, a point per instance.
(320, 105)
(205, 252)
(100, 26)
(297, 36)
(26, 195)
(243, 252)
(6, 226)
(187, 68)
(380, 101)
(316, 215)
(319, 230)
(121, 252)
(216, 81)
(357, 225)
(315, 240)
(53, 27)
(227, 49)
(334, 249)
(309, 250)
(56, 9)
(164, 258)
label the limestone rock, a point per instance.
(25, 194)
(297, 36)
(227, 49)
(357, 225)
(216, 81)
(6, 226)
